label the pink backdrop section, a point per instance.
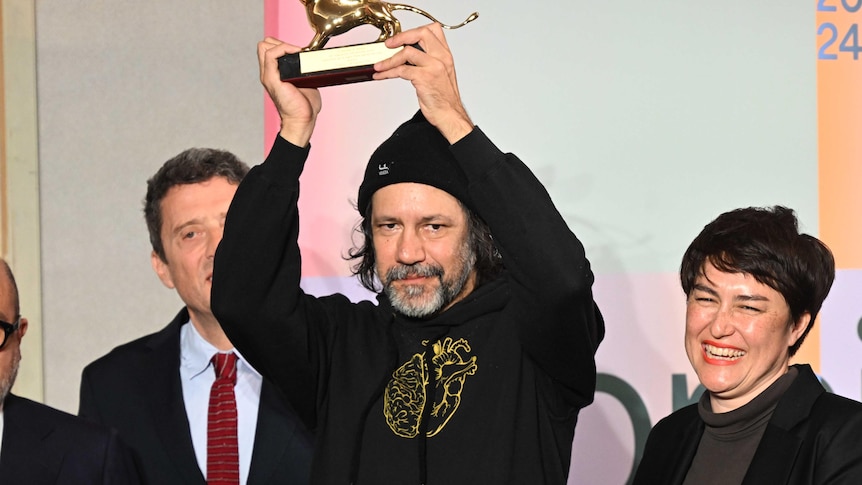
(334, 165)
(285, 21)
(353, 121)
(645, 317)
(327, 285)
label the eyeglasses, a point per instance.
(8, 329)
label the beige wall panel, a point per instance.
(19, 181)
(122, 87)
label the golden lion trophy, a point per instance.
(315, 66)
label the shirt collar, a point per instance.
(196, 352)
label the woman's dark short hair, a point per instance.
(189, 167)
(766, 244)
(488, 266)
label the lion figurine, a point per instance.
(334, 17)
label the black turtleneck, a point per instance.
(730, 439)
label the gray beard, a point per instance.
(407, 300)
(9, 380)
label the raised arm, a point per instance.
(297, 108)
(255, 292)
(432, 73)
(561, 327)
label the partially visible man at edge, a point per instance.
(156, 389)
(478, 357)
(40, 445)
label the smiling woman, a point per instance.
(754, 286)
(738, 335)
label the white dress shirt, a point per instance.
(197, 376)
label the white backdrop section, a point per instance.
(644, 119)
(647, 119)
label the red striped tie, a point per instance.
(222, 447)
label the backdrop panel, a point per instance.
(645, 120)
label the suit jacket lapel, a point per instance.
(774, 457)
(277, 431)
(165, 397)
(778, 449)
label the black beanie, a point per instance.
(418, 153)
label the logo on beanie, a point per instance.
(383, 169)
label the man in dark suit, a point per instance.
(156, 389)
(41, 445)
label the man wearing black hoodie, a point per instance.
(479, 354)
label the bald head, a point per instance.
(9, 302)
(8, 287)
(10, 354)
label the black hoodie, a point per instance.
(513, 362)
